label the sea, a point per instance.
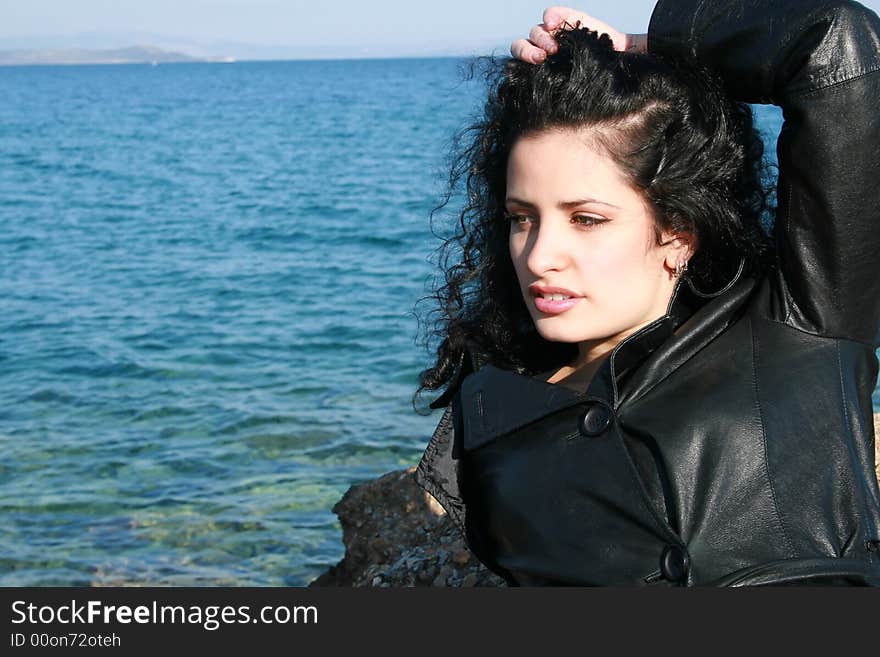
(209, 278)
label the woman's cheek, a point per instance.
(616, 274)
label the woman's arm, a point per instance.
(819, 61)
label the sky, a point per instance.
(293, 28)
(370, 28)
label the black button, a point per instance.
(595, 420)
(674, 563)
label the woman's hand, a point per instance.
(541, 43)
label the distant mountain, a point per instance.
(132, 55)
(213, 49)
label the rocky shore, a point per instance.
(397, 535)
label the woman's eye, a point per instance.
(588, 220)
(519, 219)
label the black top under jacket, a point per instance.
(729, 442)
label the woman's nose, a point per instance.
(547, 248)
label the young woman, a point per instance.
(643, 385)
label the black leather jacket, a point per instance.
(729, 442)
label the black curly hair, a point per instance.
(668, 124)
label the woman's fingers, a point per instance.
(559, 16)
(540, 37)
(541, 42)
(522, 49)
(555, 17)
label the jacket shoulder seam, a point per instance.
(766, 458)
(815, 334)
(824, 86)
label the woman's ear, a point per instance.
(680, 248)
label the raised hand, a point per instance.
(541, 42)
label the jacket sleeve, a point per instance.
(819, 61)
(439, 470)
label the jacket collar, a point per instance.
(692, 318)
(496, 402)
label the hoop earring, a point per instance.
(680, 268)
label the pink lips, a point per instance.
(550, 306)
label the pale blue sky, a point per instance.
(270, 28)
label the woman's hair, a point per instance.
(668, 124)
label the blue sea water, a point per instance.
(207, 276)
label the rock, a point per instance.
(395, 534)
(462, 557)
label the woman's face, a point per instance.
(582, 242)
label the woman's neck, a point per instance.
(579, 373)
(591, 355)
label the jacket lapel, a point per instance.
(496, 402)
(687, 337)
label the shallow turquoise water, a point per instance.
(208, 279)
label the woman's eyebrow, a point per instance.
(566, 205)
(562, 205)
(512, 200)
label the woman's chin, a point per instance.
(560, 334)
(552, 330)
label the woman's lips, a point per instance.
(553, 306)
